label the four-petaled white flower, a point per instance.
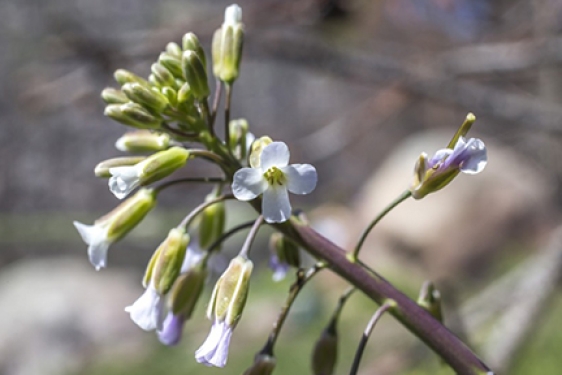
(148, 310)
(273, 178)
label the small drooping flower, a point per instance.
(172, 329)
(273, 178)
(162, 271)
(227, 302)
(468, 156)
(154, 168)
(115, 225)
(284, 255)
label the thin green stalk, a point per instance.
(405, 195)
(189, 180)
(227, 104)
(189, 218)
(251, 236)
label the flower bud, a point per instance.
(195, 74)
(227, 45)
(142, 141)
(123, 76)
(230, 292)
(430, 300)
(284, 254)
(185, 93)
(257, 148)
(173, 49)
(186, 291)
(168, 258)
(325, 352)
(172, 63)
(190, 42)
(148, 97)
(171, 95)
(264, 364)
(240, 138)
(132, 114)
(162, 75)
(115, 225)
(211, 225)
(102, 169)
(113, 96)
(152, 169)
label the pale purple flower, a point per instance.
(148, 310)
(279, 268)
(468, 156)
(172, 329)
(214, 351)
(273, 178)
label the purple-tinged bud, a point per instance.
(325, 352)
(264, 364)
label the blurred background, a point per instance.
(357, 88)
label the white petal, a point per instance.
(233, 15)
(192, 256)
(123, 181)
(301, 178)
(96, 238)
(147, 311)
(276, 207)
(275, 154)
(214, 351)
(478, 157)
(248, 183)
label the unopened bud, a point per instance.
(102, 169)
(240, 138)
(325, 352)
(286, 250)
(227, 45)
(173, 49)
(186, 291)
(162, 75)
(211, 226)
(148, 97)
(143, 141)
(171, 95)
(264, 364)
(168, 258)
(195, 74)
(430, 300)
(172, 63)
(185, 93)
(257, 148)
(113, 96)
(132, 114)
(230, 292)
(190, 42)
(123, 76)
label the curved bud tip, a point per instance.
(233, 15)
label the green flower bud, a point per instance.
(240, 138)
(430, 300)
(186, 291)
(147, 97)
(286, 250)
(230, 292)
(185, 93)
(211, 225)
(143, 141)
(190, 42)
(264, 364)
(173, 49)
(162, 75)
(102, 169)
(257, 147)
(172, 63)
(123, 76)
(113, 96)
(165, 268)
(195, 74)
(227, 46)
(132, 114)
(171, 95)
(325, 352)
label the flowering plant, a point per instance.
(171, 112)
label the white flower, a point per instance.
(124, 180)
(214, 351)
(233, 15)
(273, 178)
(96, 236)
(148, 310)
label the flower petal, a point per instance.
(214, 351)
(123, 181)
(477, 157)
(439, 156)
(280, 269)
(147, 310)
(248, 183)
(171, 329)
(301, 178)
(276, 207)
(275, 154)
(192, 256)
(96, 238)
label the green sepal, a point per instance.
(102, 169)
(162, 164)
(167, 265)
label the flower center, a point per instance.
(274, 176)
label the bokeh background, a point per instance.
(357, 88)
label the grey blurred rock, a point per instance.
(459, 229)
(56, 315)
